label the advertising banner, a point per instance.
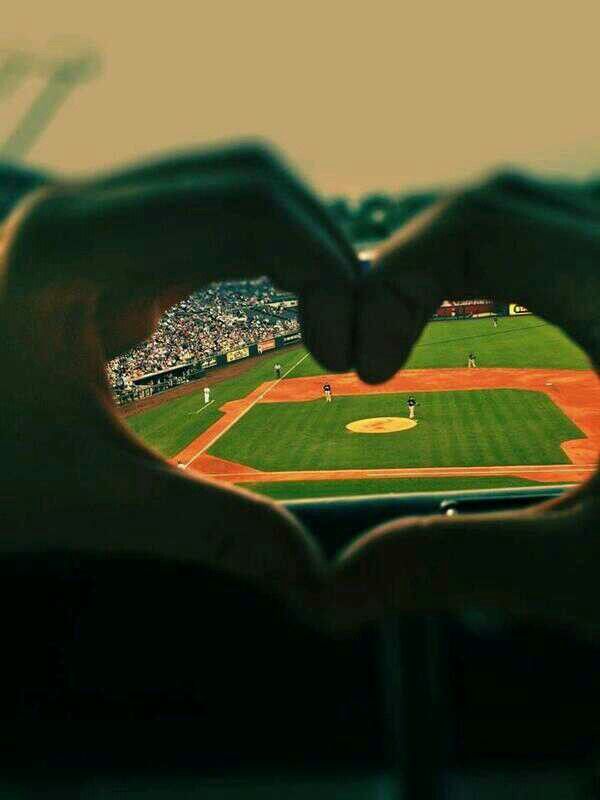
(464, 309)
(285, 303)
(514, 309)
(292, 337)
(236, 355)
(268, 344)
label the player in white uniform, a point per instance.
(206, 395)
(472, 360)
(411, 403)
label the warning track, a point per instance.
(575, 392)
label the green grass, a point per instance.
(291, 490)
(516, 342)
(457, 428)
(169, 427)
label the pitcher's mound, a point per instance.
(381, 425)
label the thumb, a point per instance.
(539, 563)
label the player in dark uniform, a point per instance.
(327, 392)
(277, 371)
(411, 403)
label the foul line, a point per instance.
(206, 405)
(244, 411)
(399, 472)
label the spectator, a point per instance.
(214, 320)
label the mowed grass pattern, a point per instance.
(516, 342)
(460, 428)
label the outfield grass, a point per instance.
(516, 342)
(293, 490)
(459, 428)
(169, 427)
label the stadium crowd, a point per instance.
(217, 319)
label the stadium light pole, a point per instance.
(63, 74)
(15, 66)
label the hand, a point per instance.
(87, 267)
(505, 239)
(146, 237)
(512, 239)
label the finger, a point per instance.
(510, 238)
(390, 318)
(240, 534)
(242, 157)
(326, 287)
(170, 231)
(158, 234)
(549, 243)
(327, 322)
(400, 293)
(227, 175)
(188, 230)
(125, 322)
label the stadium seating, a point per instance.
(212, 321)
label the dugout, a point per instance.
(171, 376)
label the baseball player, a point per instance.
(327, 392)
(206, 395)
(472, 361)
(411, 403)
(494, 322)
(277, 369)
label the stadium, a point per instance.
(526, 415)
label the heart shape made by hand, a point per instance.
(88, 266)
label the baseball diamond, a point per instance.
(493, 426)
(467, 428)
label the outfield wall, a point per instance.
(465, 309)
(516, 310)
(247, 351)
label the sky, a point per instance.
(393, 96)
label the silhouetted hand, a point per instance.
(88, 266)
(513, 239)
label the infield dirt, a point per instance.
(575, 392)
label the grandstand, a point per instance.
(191, 336)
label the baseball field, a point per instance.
(528, 414)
